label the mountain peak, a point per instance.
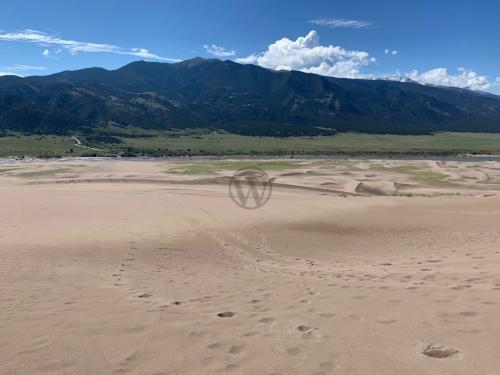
(236, 98)
(196, 61)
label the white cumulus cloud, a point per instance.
(307, 55)
(341, 23)
(74, 47)
(439, 76)
(218, 50)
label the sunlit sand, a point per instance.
(149, 267)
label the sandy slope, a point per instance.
(124, 273)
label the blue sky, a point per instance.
(437, 42)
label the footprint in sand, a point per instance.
(389, 321)
(251, 334)
(231, 366)
(216, 345)
(326, 365)
(439, 351)
(235, 349)
(469, 314)
(226, 314)
(267, 320)
(304, 328)
(293, 351)
(326, 315)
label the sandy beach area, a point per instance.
(149, 267)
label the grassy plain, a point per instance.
(229, 144)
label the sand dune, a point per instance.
(163, 274)
(387, 188)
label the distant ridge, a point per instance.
(242, 99)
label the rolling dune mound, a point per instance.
(404, 186)
(372, 188)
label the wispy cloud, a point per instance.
(22, 68)
(74, 47)
(218, 50)
(342, 23)
(391, 52)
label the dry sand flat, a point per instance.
(116, 267)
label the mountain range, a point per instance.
(241, 99)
